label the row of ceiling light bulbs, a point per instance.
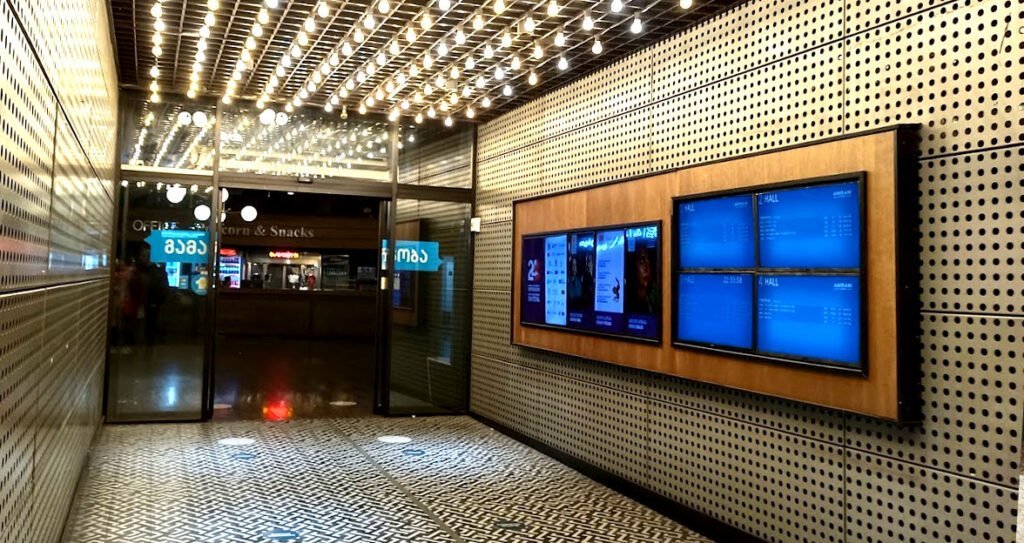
(390, 88)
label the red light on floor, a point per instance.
(277, 411)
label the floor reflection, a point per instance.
(279, 379)
(157, 382)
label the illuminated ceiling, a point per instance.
(464, 59)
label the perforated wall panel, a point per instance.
(762, 76)
(57, 105)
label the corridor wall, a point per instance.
(762, 76)
(58, 108)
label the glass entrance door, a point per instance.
(427, 358)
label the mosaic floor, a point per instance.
(334, 480)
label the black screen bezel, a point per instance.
(657, 339)
(819, 363)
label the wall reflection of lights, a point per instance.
(248, 213)
(394, 439)
(236, 441)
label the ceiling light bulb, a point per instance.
(560, 39)
(204, 32)
(360, 76)
(488, 50)
(362, 109)
(444, 5)
(499, 73)
(383, 6)
(393, 115)
(425, 21)
(201, 44)
(271, 4)
(157, 11)
(499, 6)
(439, 80)
(428, 61)
(303, 94)
(155, 98)
(588, 21)
(369, 22)
(404, 104)
(260, 104)
(470, 63)
(279, 72)
(286, 62)
(637, 27)
(428, 90)
(303, 38)
(343, 92)
(334, 61)
(379, 94)
(410, 35)
(480, 81)
(159, 25)
(400, 78)
(191, 93)
(538, 51)
(470, 113)
(212, 5)
(263, 17)
(562, 63)
(371, 68)
(616, 6)
(296, 51)
(506, 38)
(552, 8)
(448, 121)
(358, 36)
(466, 91)
(417, 98)
(346, 49)
(516, 63)
(686, 4)
(324, 69)
(370, 101)
(597, 48)
(289, 107)
(310, 24)
(460, 36)
(154, 87)
(250, 43)
(529, 24)
(210, 20)
(157, 51)
(226, 99)
(257, 30)
(267, 116)
(323, 10)
(418, 118)
(297, 101)
(349, 84)
(154, 72)
(158, 38)
(311, 86)
(533, 78)
(193, 77)
(442, 48)
(382, 59)
(389, 87)
(431, 112)
(444, 105)
(393, 48)
(478, 21)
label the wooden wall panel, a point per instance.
(877, 394)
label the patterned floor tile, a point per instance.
(332, 481)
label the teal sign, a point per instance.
(188, 246)
(423, 256)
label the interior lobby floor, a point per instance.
(334, 480)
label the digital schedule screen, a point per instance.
(602, 280)
(809, 316)
(773, 273)
(716, 233)
(810, 227)
(716, 309)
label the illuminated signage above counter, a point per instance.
(283, 254)
(271, 230)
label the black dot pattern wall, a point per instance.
(767, 74)
(58, 104)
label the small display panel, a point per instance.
(716, 232)
(816, 317)
(774, 273)
(602, 280)
(716, 309)
(810, 227)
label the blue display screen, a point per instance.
(810, 227)
(716, 309)
(604, 280)
(716, 232)
(809, 316)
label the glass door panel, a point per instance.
(158, 336)
(428, 354)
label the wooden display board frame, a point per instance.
(888, 391)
